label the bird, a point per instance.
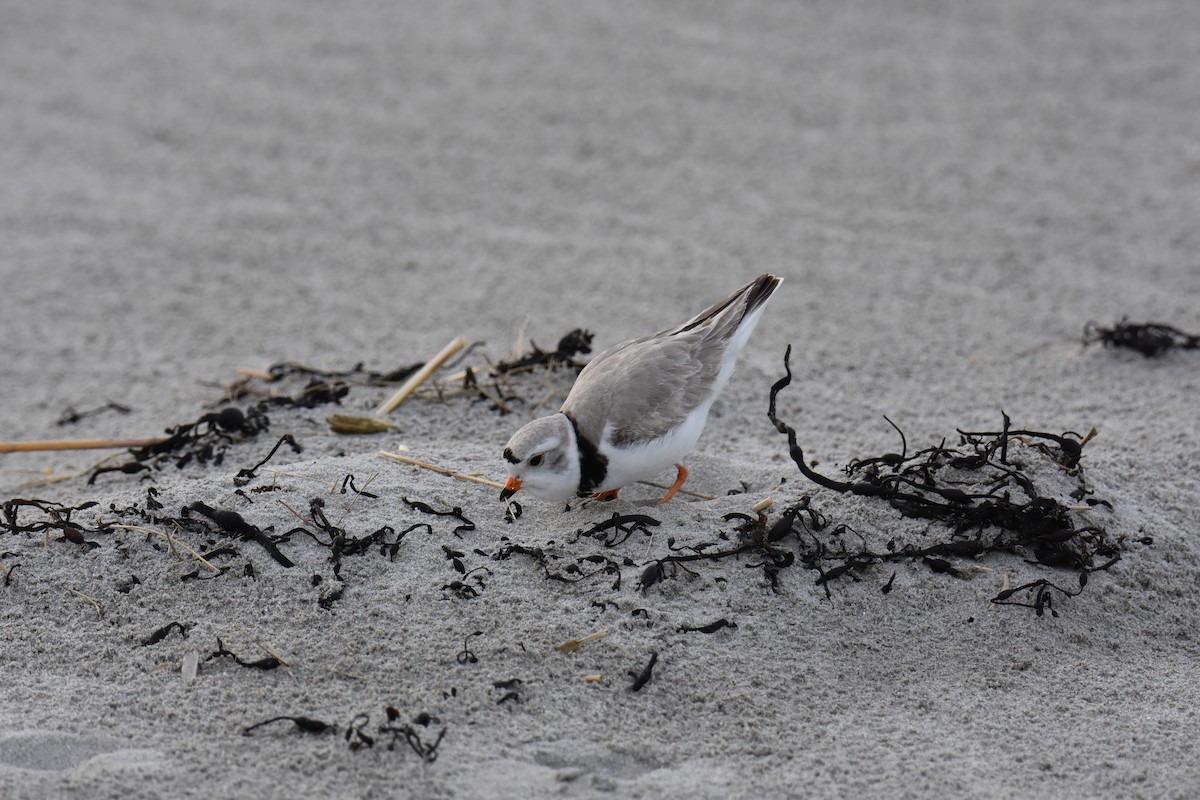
(637, 408)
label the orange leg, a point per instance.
(680, 477)
(604, 497)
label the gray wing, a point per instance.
(647, 386)
(644, 387)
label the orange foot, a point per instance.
(680, 477)
(604, 497)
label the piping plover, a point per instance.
(637, 408)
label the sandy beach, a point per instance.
(283, 208)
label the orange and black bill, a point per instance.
(510, 488)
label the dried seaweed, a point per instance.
(70, 416)
(348, 481)
(466, 655)
(426, 751)
(246, 475)
(204, 440)
(357, 738)
(622, 526)
(268, 663)
(341, 544)
(358, 374)
(512, 691)
(162, 633)
(1005, 511)
(54, 517)
(1151, 339)
(574, 343)
(575, 570)
(640, 679)
(456, 512)
(208, 438)
(460, 587)
(305, 724)
(711, 627)
(233, 522)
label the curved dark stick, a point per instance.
(793, 448)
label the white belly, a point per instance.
(645, 460)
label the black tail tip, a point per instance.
(762, 288)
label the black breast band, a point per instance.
(593, 467)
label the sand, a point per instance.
(951, 192)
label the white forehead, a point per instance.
(546, 433)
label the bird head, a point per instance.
(543, 460)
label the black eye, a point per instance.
(536, 461)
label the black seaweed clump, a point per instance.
(1151, 339)
(357, 738)
(574, 343)
(207, 439)
(70, 416)
(357, 374)
(53, 517)
(1002, 511)
(203, 440)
